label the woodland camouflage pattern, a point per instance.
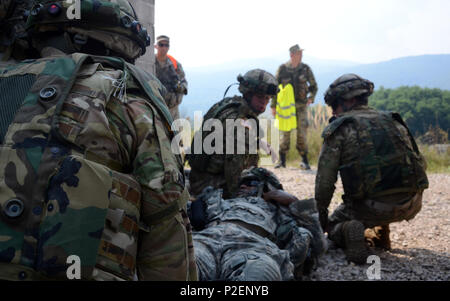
(250, 239)
(175, 82)
(382, 170)
(93, 171)
(223, 170)
(305, 87)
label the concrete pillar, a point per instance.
(145, 9)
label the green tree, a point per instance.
(421, 108)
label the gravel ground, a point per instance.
(420, 248)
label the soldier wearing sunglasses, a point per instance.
(171, 74)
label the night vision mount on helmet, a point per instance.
(258, 81)
(346, 87)
(111, 22)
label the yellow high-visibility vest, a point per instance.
(287, 119)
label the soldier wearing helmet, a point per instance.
(86, 164)
(382, 170)
(222, 168)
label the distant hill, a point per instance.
(208, 84)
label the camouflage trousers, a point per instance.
(230, 252)
(373, 214)
(302, 127)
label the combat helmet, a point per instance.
(346, 87)
(259, 82)
(260, 176)
(91, 26)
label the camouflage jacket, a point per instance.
(172, 78)
(229, 165)
(87, 170)
(376, 156)
(303, 81)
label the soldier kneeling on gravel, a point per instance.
(264, 234)
(382, 170)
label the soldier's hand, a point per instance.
(279, 196)
(274, 112)
(180, 88)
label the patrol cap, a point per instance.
(295, 49)
(162, 38)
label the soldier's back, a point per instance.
(71, 143)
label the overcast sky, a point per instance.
(205, 32)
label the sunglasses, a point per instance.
(163, 45)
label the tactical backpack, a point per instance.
(200, 161)
(384, 164)
(39, 171)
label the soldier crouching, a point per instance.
(382, 170)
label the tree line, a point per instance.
(421, 108)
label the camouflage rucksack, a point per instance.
(384, 164)
(200, 161)
(40, 172)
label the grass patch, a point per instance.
(436, 162)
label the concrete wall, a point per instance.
(145, 9)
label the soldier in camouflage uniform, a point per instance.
(222, 170)
(264, 234)
(382, 170)
(86, 166)
(302, 79)
(13, 37)
(171, 74)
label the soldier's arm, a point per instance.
(327, 172)
(300, 233)
(182, 75)
(233, 167)
(312, 85)
(163, 248)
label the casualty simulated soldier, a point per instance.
(171, 74)
(301, 77)
(13, 36)
(222, 168)
(263, 234)
(86, 167)
(382, 170)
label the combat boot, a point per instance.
(354, 243)
(304, 164)
(382, 239)
(282, 162)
